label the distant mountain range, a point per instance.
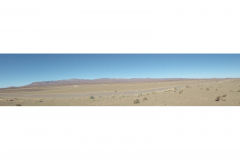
(97, 81)
(101, 81)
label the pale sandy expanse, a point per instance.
(211, 92)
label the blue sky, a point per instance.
(22, 69)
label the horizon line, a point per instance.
(28, 84)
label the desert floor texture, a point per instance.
(205, 92)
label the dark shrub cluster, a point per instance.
(136, 101)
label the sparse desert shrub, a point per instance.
(238, 90)
(224, 95)
(180, 92)
(218, 98)
(18, 105)
(207, 89)
(136, 101)
(145, 98)
(92, 97)
(187, 86)
(115, 91)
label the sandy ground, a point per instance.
(212, 92)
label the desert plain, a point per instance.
(179, 92)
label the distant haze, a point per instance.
(23, 69)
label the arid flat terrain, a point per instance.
(178, 92)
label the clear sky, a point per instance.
(22, 69)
